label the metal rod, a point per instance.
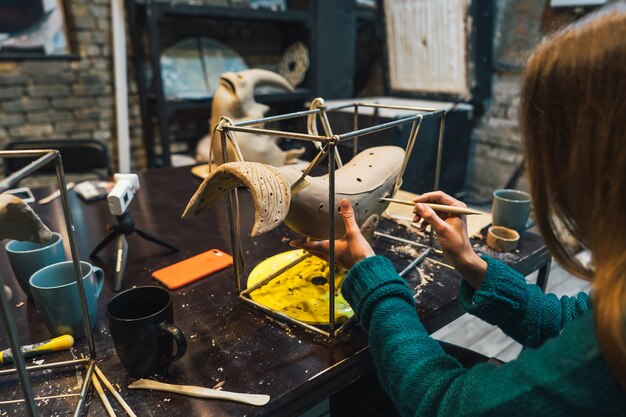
(329, 132)
(69, 224)
(276, 273)
(45, 157)
(415, 128)
(318, 158)
(288, 116)
(442, 124)
(84, 388)
(8, 323)
(378, 128)
(415, 262)
(49, 397)
(233, 220)
(396, 107)
(284, 316)
(278, 133)
(399, 239)
(47, 366)
(355, 127)
(331, 239)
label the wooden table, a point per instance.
(227, 340)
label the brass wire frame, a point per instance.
(45, 156)
(326, 145)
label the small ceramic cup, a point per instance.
(26, 258)
(511, 209)
(55, 292)
(502, 239)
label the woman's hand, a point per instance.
(451, 232)
(349, 250)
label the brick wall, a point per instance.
(496, 143)
(67, 99)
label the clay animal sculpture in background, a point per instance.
(368, 177)
(234, 99)
(18, 221)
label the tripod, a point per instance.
(124, 226)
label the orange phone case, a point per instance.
(192, 269)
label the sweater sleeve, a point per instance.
(521, 310)
(565, 376)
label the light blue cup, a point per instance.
(26, 258)
(55, 292)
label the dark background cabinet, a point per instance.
(326, 27)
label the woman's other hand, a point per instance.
(451, 232)
(349, 250)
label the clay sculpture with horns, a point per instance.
(234, 99)
(368, 177)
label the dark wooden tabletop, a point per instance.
(228, 340)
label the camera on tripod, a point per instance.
(126, 185)
(120, 197)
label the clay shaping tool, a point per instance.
(29, 351)
(56, 194)
(201, 392)
(437, 207)
(102, 395)
(117, 396)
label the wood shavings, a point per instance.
(20, 304)
(425, 279)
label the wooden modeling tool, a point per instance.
(117, 396)
(253, 399)
(437, 207)
(29, 351)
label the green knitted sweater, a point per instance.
(560, 372)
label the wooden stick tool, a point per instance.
(437, 207)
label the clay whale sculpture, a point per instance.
(234, 99)
(368, 177)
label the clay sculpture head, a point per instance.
(234, 99)
(369, 176)
(18, 221)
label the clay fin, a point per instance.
(270, 192)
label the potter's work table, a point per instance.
(227, 340)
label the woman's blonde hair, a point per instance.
(573, 121)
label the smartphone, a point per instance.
(24, 193)
(192, 269)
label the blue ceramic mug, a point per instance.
(55, 292)
(511, 209)
(26, 258)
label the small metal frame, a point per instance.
(44, 157)
(327, 146)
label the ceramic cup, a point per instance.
(55, 292)
(511, 209)
(26, 258)
(141, 325)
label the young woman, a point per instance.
(573, 120)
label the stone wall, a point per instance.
(496, 149)
(69, 98)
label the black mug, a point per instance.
(140, 322)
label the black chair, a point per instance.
(79, 156)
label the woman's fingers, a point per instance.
(348, 216)
(439, 197)
(317, 248)
(310, 245)
(430, 217)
